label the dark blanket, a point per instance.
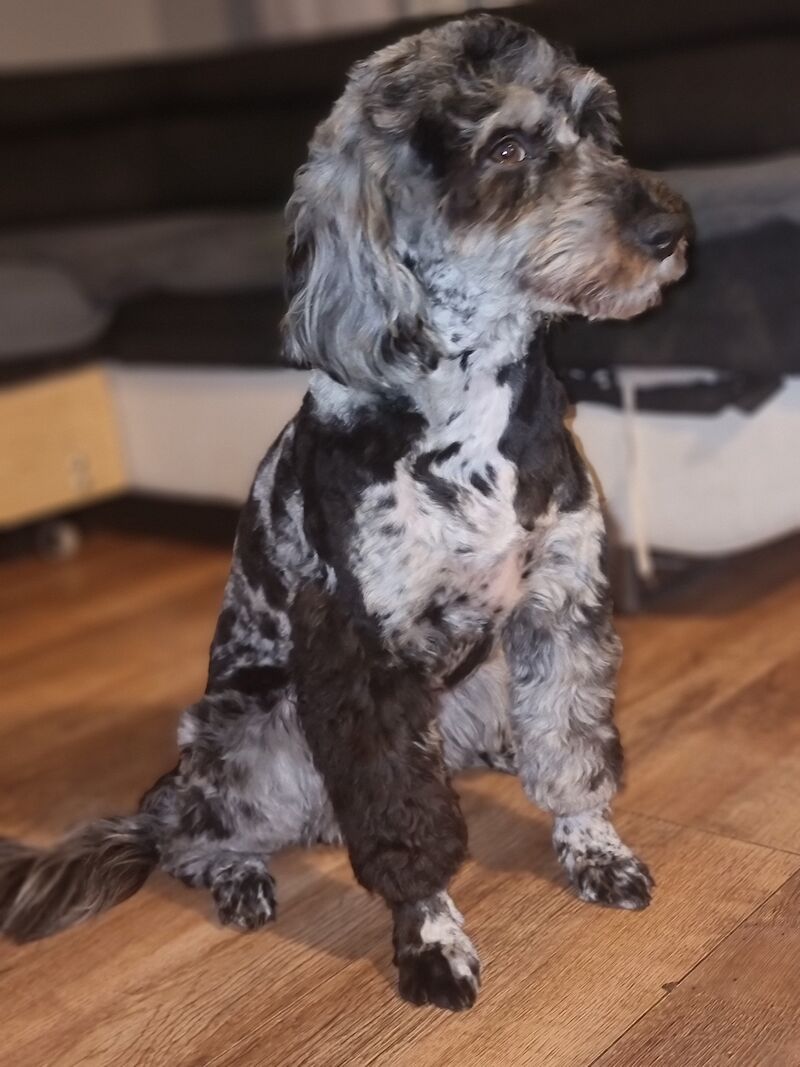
(736, 311)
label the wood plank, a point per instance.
(689, 639)
(717, 744)
(96, 668)
(564, 978)
(738, 1007)
(114, 578)
(560, 977)
(731, 766)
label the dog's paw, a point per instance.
(620, 881)
(245, 898)
(599, 865)
(444, 975)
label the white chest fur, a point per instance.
(441, 544)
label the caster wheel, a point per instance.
(58, 540)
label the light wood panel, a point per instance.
(59, 446)
(97, 656)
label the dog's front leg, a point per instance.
(563, 661)
(371, 727)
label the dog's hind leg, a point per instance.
(372, 728)
(241, 886)
(245, 788)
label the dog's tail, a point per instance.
(46, 890)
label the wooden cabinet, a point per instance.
(59, 445)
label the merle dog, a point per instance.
(417, 584)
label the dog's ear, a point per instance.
(355, 309)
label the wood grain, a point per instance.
(740, 1006)
(715, 743)
(98, 655)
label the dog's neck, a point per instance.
(481, 323)
(458, 387)
(476, 323)
(469, 311)
(476, 352)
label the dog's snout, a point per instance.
(652, 215)
(659, 233)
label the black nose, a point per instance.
(659, 233)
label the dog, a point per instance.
(418, 580)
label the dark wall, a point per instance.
(698, 80)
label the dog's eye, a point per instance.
(509, 151)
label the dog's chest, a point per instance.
(440, 552)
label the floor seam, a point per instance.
(676, 985)
(624, 810)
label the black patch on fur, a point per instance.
(480, 483)
(433, 614)
(203, 815)
(407, 341)
(435, 140)
(254, 556)
(425, 977)
(537, 441)
(336, 463)
(614, 758)
(474, 658)
(440, 490)
(386, 502)
(258, 681)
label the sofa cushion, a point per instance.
(182, 252)
(42, 311)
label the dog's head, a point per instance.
(478, 157)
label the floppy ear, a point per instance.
(355, 310)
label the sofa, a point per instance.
(141, 258)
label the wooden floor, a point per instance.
(96, 658)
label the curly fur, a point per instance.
(417, 583)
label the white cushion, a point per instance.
(709, 484)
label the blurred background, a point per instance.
(148, 148)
